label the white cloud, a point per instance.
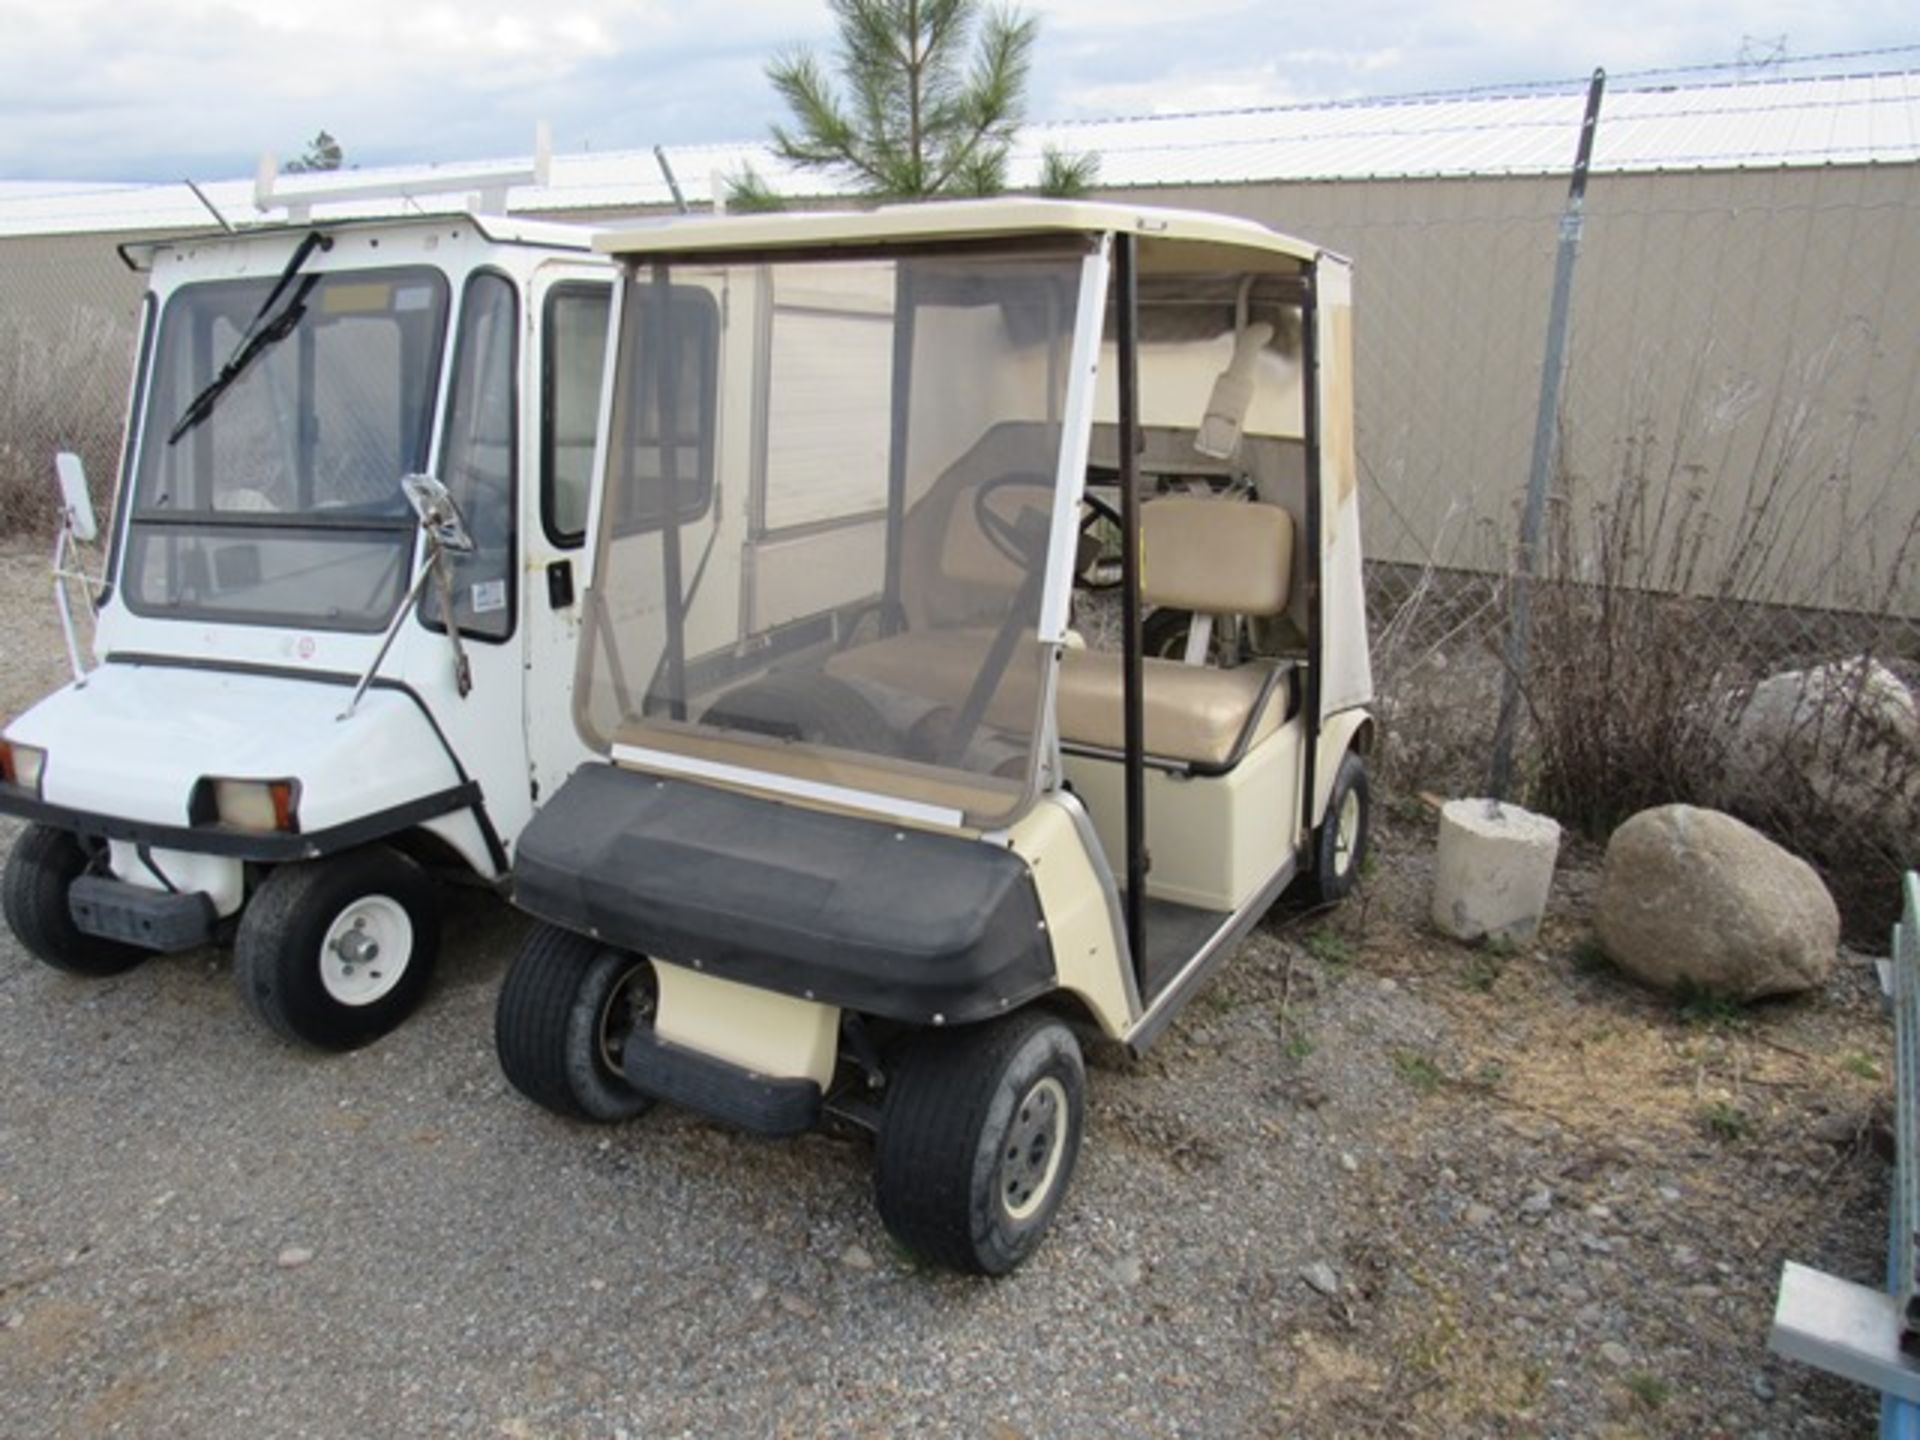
(1183, 90)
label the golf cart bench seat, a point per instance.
(1203, 554)
(1193, 714)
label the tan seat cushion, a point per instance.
(1191, 713)
(1215, 556)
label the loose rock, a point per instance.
(1695, 898)
(1320, 1276)
(293, 1257)
(855, 1257)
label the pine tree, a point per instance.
(931, 94)
(323, 153)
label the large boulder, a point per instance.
(1842, 737)
(1694, 898)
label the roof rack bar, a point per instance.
(491, 182)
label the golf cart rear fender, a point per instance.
(910, 925)
(1349, 730)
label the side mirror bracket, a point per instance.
(77, 524)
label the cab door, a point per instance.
(569, 301)
(479, 462)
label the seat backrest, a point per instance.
(1216, 556)
(950, 573)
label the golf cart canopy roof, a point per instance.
(1171, 240)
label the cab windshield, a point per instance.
(828, 520)
(276, 499)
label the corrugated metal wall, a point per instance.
(1741, 337)
(1749, 338)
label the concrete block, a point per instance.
(1849, 1330)
(1493, 870)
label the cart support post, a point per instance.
(1133, 726)
(897, 439)
(1310, 390)
(666, 378)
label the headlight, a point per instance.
(22, 765)
(263, 805)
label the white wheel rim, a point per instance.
(1030, 1154)
(1346, 832)
(366, 950)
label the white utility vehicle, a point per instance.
(280, 742)
(892, 804)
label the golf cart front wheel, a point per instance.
(566, 1011)
(41, 870)
(336, 952)
(1340, 847)
(978, 1140)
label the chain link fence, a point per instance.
(1727, 608)
(1728, 601)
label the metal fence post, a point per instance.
(1546, 434)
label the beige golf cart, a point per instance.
(893, 803)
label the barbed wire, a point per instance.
(1519, 89)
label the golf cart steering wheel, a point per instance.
(1003, 534)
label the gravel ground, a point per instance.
(1372, 1183)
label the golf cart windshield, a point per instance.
(275, 499)
(827, 562)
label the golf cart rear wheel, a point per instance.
(41, 870)
(566, 1010)
(1340, 847)
(978, 1139)
(336, 952)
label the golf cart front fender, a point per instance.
(127, 754)
(864, 914)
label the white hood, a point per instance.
(136, 738)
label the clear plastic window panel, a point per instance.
(875, 448)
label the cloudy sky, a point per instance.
(145, 90)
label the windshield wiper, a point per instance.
(255, 340)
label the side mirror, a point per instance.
(439, 516)
(76, 505)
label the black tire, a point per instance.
(807, 706)
(301, 983)
(567, 1003)
(42, 868)
(978, 1139)
(1340, 850)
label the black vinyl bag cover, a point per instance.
(858, 913)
